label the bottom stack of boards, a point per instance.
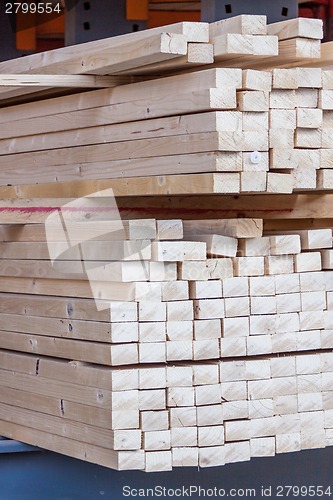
(218, 349)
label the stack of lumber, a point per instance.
(172, 337)
(208, 343)
(232, 131)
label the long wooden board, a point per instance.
(68, 288)
(58, 307)
(325, 59)
(98, 417)
(121, 57)
(146, 109)
(124, 460)
(111, 250)
(43, 62)
(76, 81)
(291, 206)
(198, 54)
(68, 60)
(60, 389)
(59, 327)
(234, 141)
(113, 440)
(35, 212)
(57, 374)
(296, 206)
(133, 167)
(91, 133)
(91, 352)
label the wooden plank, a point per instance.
(257, 80)
(29, 94)
(235, 228)
(76, 81)
(309, 118)
(185, 457)
(141, 148)
(310, 78)
(306, 136)
(211, 269)
(292, 207)
(289, 207)
(308, 262)
(119, 56)
(279, 183)
(140, 186)
(327, 79)
(79, 374)
(117, 440)
(307, 98)
(311, 239)
(59, 389)
(325, 59)
(299, 27)
(281, 138)
(218, 245)
(200, 100)
(285, 78)
(199, 80)
(192, 163)
(248, 266)
(292, 52)
(44, 62)
(197, 54)
(136, 229)
(233, 45)
(244, 24)
(68, 288)
(91, 250)
(169, 229)
(97, 417)
(254, 246)
(279, 264)
(114, 355)
(103, 456)
(325, 179)
(204, 289)
(285, 244)
(158, 461)
(156, 440)
(160, 127)
(97, 271)
(74, 329)
(254, 100)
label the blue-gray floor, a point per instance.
(50, 476)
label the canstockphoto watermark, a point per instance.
(88, 238)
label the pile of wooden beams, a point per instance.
(214, 355)
(233, 131)
(160, 342)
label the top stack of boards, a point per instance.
(234, 130)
